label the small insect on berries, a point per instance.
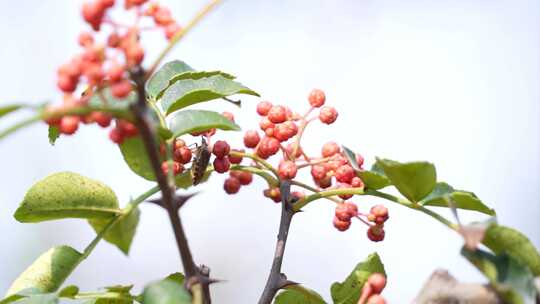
(200, 162)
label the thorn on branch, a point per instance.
(178, 201)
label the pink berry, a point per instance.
(66, 84)
(251, 139)
(377, 281)
(85, 39)
(263, 108)
(341, 225)
(222, 165)
(356, 182)
(228, 115)
(342, 212)
(277, 114)
(318, 172)
(328, 115)
(287, 169)
(317, 98)
(221, 149)
(182, 155)
(231, 185)
(375, 233)
(330, 149)
(102, 119)
(344, 174)
(116, 136)
(116, 73)
(121, 89)
(69, 124)
(171, 30)
(344, 186)
(128, 128)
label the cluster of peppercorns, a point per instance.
(371, 291)
(281, 129)
(106, 64)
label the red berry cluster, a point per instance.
(372, 289)
(107, 63)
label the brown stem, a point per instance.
(277, 280)
(149, 138)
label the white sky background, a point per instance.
(452, 82)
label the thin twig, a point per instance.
(149, 138)
(277, 280)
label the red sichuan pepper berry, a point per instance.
(263, 108)
(341, 225)
(377, 282)
(231, 185)
(221, 149)
(328, 115)
(375, 233)
(116, 136)
(378, 214)
(182, 155)
(287, 170)
(344, 174)
(221, 165)
(330, 149)
(251, 139)
(69, 124)
(277, 114)
(316, 98)
(177, 168)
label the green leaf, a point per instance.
(513, 281)
(10, 108)
(348, 291)
(297, 294)
(122, 232)
(69, 292)
(194, 75)
(189, 121)
(415, 180)
(186, 92)
(20, 294)
(67, 195)
(462, 199)
(502, 239)
(375, 178)
(351, 157)
(176, 277)
(160, 79)
(54, 133)
(165, 292)
(134, 154)
(185, 181)
(42, 298)
(49, 271)
(117, 294)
